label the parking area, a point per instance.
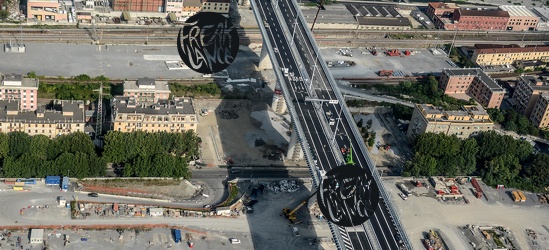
(421, 61)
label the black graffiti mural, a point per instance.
(208, 43)
(348, 196)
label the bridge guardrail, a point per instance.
(371, 166)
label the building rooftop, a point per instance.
(535, 83)
(382, 21)
(65, 112)
(178, 105)
(489, 82)
(469, 111)
(192, 3)
(17, 81)
(146, 84)
(542, 13)
(334, 13)
(488, 13)
(499, 50)
(442, 5)
(216, 1)
(496, 46)
(372, 10)
(517, 10)
(37, 233)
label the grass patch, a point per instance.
(232, 195)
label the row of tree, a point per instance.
(37, 156)
(513, 121)
(152, 154)
(497, 158)
(142, 154)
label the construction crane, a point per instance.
(291, 213)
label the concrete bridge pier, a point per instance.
(264, 59)
(295, 152)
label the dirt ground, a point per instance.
(240, 138)
(154, 188)
(420, 213)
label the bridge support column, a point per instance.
(264, 59)
(294, 149)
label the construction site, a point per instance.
(489, 237)
(433, 241)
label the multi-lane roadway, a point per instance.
(305, 68)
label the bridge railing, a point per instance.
(297, 126)
(356, 134)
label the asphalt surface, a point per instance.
(326, 158)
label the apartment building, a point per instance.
(45, 10)
(540, 113)
(138, 5)
(174, 7)
(64, 118)
(473, 82)
(527, 93)
(191, 7)
(218, 6)
(175, 115)
(15, 87)
(520, 18)
(147, 90)
(468, 121)
(492, 54)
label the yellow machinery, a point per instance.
(291, 214)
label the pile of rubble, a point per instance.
(283, 186)
(228, 114)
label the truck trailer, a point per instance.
(65, 184)
(478, 189)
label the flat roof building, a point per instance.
(491, 54)
(378, 16)
(174, 115)
(520, 18)
(543, 14)
(15, 87)
(473, 82)
(335, 16)
(63, 118)
(138, 5)
(218, 6)
(36, 236)
(468, 121)
(527, 92)
(464, 19)
(45, 10)
(191, 7)
(147, 90)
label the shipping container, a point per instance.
(19, 184)
(522, 196)
(18, 188)
(28, 181)
(516, 196)
(177, 235)
(53, 180)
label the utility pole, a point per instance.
(320, 6)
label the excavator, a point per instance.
(291, 213)
(348, 155)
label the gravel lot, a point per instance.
(420, 214)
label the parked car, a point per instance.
(403, 196)
(295, 231)
(234, 241)
(207, 206)
(93, 195)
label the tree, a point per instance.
(4, 15)
(468, 152)
(359, 123)
(538, 170)
(372, 139)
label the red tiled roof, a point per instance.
(543, 48)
